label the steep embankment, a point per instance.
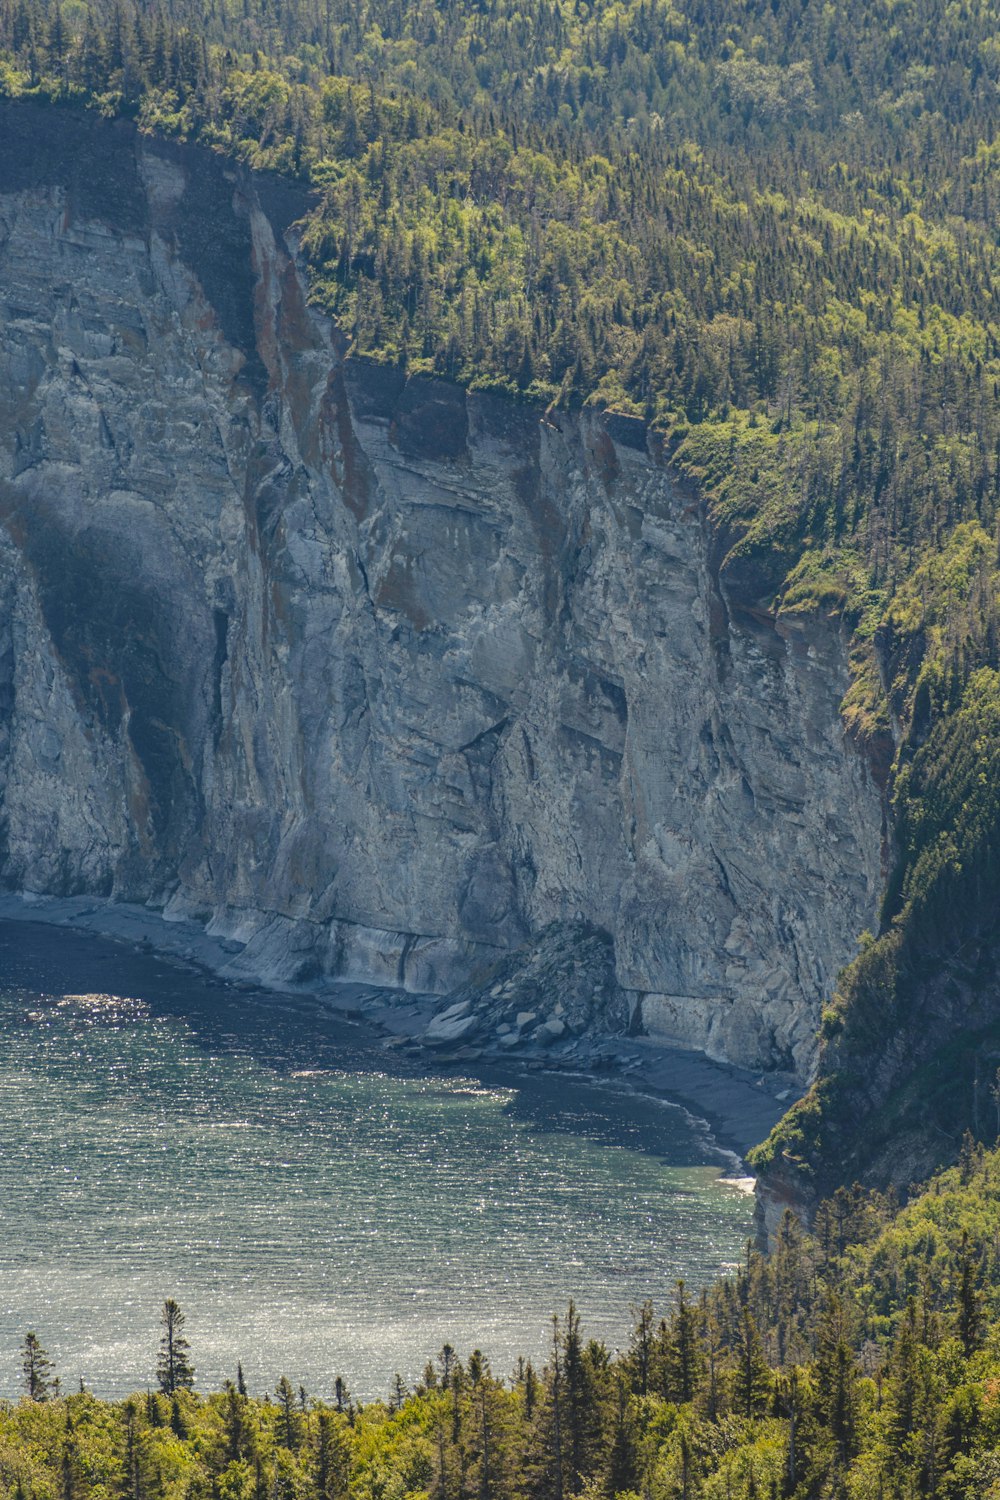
(380, 677)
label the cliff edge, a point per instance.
(376, 677)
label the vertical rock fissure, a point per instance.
(339, 657)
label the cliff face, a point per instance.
(378, 677)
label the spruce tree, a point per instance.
(682, 1350)
(969, 1320)
(333, 1458)
(37, 1367)
(285, 1393)
(751, 1374)
(174, 1370)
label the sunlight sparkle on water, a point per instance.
(320, 1220)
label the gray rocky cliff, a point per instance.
(379, 678)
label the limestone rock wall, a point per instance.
(377, 677)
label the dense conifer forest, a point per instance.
(861, 1360)
(768, 227)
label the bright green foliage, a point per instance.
(766, 226)
(682, 208)
(863, 1359)
(940, 907)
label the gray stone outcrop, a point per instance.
(378, 678)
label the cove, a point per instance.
(318, 1206)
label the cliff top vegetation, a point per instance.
(768, 227)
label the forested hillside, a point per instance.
(768, 228)
(862, 1361)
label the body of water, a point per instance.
(316, 1209)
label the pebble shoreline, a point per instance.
(738, 1107)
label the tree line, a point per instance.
(859, 1359)
(174, 1370)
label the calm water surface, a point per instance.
(315, 1208)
